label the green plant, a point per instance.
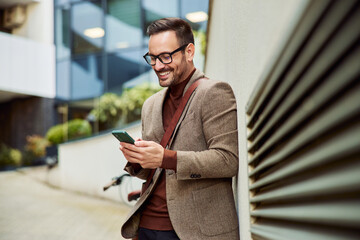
(107, 110)
(201, 37)
(78, 128)
(36, 145)
(9, 157)
(73, 129)
(132, 100)
(127, 107)
(56, 134)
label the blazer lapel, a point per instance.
(197, 75)
(156, 115)
(157, 120)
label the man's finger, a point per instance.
(142, 143)
(132, 156)
(133, 152)
(129, 146)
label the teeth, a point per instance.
(164, 73)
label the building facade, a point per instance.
(58, 57)
(100, 44)
(27, 70)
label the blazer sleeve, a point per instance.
(141, 173)
(132, 169)
(218, 114)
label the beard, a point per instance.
(175, 75)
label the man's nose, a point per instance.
(158, 65)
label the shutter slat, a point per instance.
(286, 231)
(304, 131)
(344, 213)
(331, 151)
(284, 59)
(324, 94)
(305, 57)
(344, 40)
(348, 72)
(343, 110)
(339, 181)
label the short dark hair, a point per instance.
(181, 28)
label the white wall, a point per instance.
(26, 66)
(39, 24)
(244, 37)
(27, 56)
(87, 165)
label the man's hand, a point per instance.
(148, 154)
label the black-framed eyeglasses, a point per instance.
(165, 58)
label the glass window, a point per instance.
(155, 9)
(196, 13)
(100, 50)
(62, 33)
(86, 75)
(63, 90)
(123, 23)
(62, 2)
(87, 27)
(126, 68)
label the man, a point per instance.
(190, 195)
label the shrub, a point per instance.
(201, 37)
(107, 111)
(127, 107)
(73, 129)
(132, 100)
(56, 134)
(36, 145)
(9, 157)
(78, 128)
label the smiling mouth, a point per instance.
(164, 73)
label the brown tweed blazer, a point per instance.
(199, 195)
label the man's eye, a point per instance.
(165, 57)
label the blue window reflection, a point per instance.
(63, 83)
(100, 43)
(123, 24)
(86, 73)
(87, 27)
(125, 67)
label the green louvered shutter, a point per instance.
(304, 131)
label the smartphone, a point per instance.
(123, 136)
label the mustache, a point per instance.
(164, 70)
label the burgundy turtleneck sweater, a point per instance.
(155, 215)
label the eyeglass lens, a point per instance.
(164, 58)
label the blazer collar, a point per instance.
(158, 127)
(197, 75)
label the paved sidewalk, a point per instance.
(29, 209)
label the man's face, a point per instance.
(174, 72)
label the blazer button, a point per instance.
(192, 176)
(198, 176)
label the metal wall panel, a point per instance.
(304, 131)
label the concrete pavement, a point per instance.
(31, 210)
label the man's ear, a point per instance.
(190, 52)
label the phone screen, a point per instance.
(123, 136)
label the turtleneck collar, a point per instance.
(177, 90)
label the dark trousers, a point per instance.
(148, 234)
